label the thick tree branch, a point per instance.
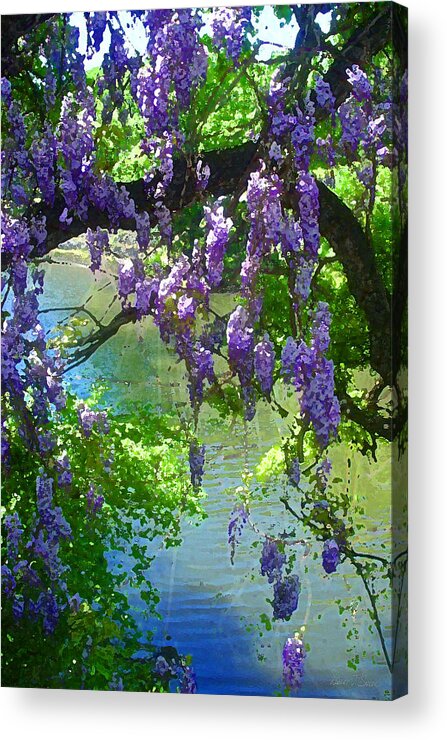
(350, 244)
(337, 224)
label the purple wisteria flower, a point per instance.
(291, 237)
(353, 125)
(321, 322)
(313, 376)
(176, 63)
(203, 173)
(186, 307)
(94, 502)
(275, 152)
(9, 583)
(302, 139)
(196, 462)
(285, 596)
(145, 293)
(324, 95)
(170, 285)
(18, 607)
(366, 176)
(200, 365)
(238, 520)
(319, 402)
(218, 228)
(143, 226)
(241, 345)
(272, 560)
(264, 364)
(293, 657)
(289, 357)
(65, 476)
(97, 242)
(188, 682)
(265, 215)
(126, 280)
(48, 606)
(48, 530)
(331, 556)
(14, 532)
(229, 28)
(361, 86)
(43, 153)
(309, 205)
(90, 420)
(326, 150)
(96, 25)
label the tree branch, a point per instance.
(350, 244)
(94, 341)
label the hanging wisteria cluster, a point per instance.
(56, 163)
(34, 574)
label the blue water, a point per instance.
(209, 608)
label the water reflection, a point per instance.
(211, 609)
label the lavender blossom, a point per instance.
(289, 356)
(285, 597)
(238, 520)
(218, 228)
(240, 344)
(293, 657)
(229, 27)
(14, 532)
(331, 556)
(196, 463)
(65, 476)
(97, 242)
(188, 683)
(272, 560)
(324, 95)
(126, 280)
(323, 472)
(203, 173)
(361, 86)
(264, 364)
(143, 226)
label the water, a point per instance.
(210, 609)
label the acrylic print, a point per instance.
(204, 428)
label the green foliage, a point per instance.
(227, 109)
(147, 493)
(271, 464)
